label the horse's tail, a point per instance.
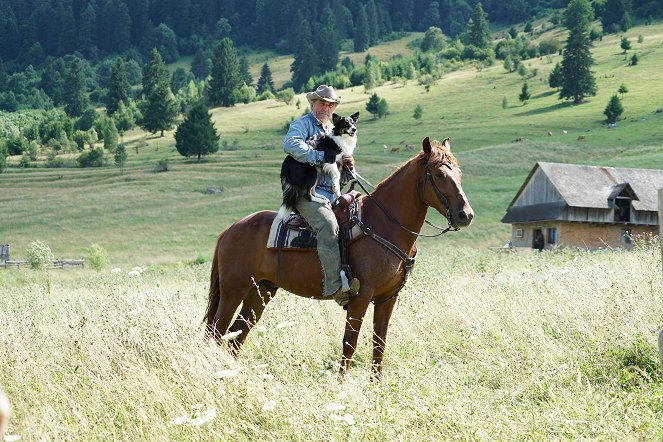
(214, 289)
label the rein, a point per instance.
(408, 261)
(443, 199)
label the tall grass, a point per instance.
(482, 346)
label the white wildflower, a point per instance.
(225, 374)
(12, 437)
(205, 418)
(179, 420)
(334, 407)
(116, 270)
(269, 406)
(133, 274)
(348, 419)
(268, 377)
(231, 336)
(260, 366)
(285, 324)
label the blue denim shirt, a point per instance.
(299, 142)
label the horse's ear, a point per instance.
(427, 147)
(447, 143)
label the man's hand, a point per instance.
(348, 162)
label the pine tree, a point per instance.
(305, 64)
(75, 96)
(478, 30)
(225, 77)
(418, 112)
(372, 105)
(383, 108)
(373, 23)
(614, 109)
(120, 157)
(118, 87)
(361, 40)
(555, 78)
(111, 136)
(524, 93)
(200, 66)
(328, 46)
(196, 135)
(87, 37)
(577, 59)
(244, 72)
(265, 82)
(158, 106)
(625, 44)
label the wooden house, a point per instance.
(584, 206)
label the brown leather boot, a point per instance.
(343, 297)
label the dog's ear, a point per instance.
(335, 118)
(355, 116)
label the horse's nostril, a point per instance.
(465, 217)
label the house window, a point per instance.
(519, 233)
(622, 209)
(552, 235)
(626, 236)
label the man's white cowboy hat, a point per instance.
(324, 93)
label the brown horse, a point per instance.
(245, 272)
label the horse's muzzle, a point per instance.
(462, 218)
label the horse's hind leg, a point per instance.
(229, 301)
(252, 308)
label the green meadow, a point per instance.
(142, 217)
(484, 344)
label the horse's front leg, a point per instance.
(356, 310)
(381, 315)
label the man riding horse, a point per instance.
(319, 215)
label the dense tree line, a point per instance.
(30, 30)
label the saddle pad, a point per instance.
(283, 237)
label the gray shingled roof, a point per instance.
(590, 186)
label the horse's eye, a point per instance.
(439, 174)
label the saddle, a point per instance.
(294, 233)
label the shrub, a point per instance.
(91, 158)
(285, 95)
(97, 257)
(39, 255)
(161, 166)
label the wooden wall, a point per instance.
(660, 231)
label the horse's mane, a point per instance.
(439, 154)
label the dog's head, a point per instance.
(345, 125)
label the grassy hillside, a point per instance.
(142, 217)
(483, 346)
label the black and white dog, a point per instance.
(299, 179)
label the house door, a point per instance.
(538, 241)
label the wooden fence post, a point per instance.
(660, 238)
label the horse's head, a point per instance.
(440, 184)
